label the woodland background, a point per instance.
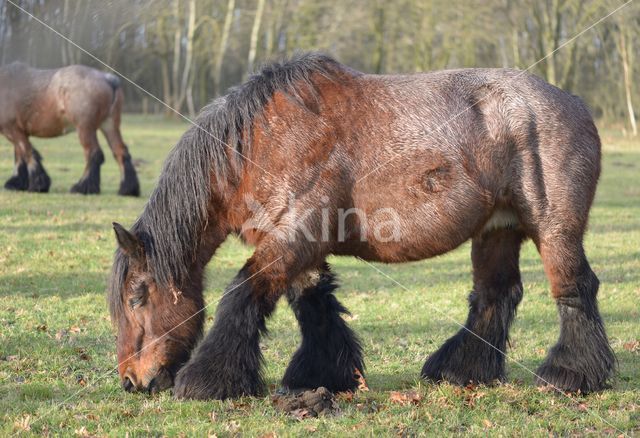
(188, 51)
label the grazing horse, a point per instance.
(310, 158)
(50, 103)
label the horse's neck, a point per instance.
(212, 237)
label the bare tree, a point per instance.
(222, 48)
(253, 44)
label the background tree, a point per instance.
(188, 51)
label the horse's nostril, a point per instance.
(152, 388)
(128, 385)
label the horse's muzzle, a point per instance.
(161, 381)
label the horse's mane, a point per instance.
(175, 217)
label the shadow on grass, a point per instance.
(82, 227)
(71, 284)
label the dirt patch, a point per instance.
(306, 404)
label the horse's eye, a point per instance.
(139, 295)
(135, 302)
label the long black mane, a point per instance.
(175, 217)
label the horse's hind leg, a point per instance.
(330, 352)
(476, 352)
(582, 358)
(90, 180)
(129, 185)
(28, 174)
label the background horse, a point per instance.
(494, 155)
(49, 103)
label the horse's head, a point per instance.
(157, 325)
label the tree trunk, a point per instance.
(224, 38)
(188, 61)
(253, 46)
(166, 85)
(626, 69)
(379, 28)
(177, 36)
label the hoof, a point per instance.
(197, 381)
(20, 180)
(129, 185)
(569, 380)
(463, 360)
(85, 187)
(129, 189)
(301, 377)
(16, 183)
(39, 182)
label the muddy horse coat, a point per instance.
(310, 158)
(50, 103)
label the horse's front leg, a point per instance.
(20, 178)
(330, 352)
(227, 362)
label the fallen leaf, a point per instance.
(346, 396)
(362, 383)
(24, 423)
(42, 328)
(488, 424)
(631, 346)
(300, 414)
(82, 432)
(471, 397)
(233, 426)
(405, 398)
(83, 354)
(213, 416)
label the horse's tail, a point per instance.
(114, 83)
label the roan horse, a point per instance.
(49, 103)
(494, 155)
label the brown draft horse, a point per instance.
(50, 103)
(313, 152)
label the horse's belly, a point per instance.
(401, 234)
(52, 125)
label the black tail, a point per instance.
(114, 82)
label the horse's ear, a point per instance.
(129, 243)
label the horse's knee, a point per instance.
(277, 265)
(330, 353)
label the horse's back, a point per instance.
(51, 102)
(449, 150)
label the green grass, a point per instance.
(57, 349)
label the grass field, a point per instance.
(57, 349)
